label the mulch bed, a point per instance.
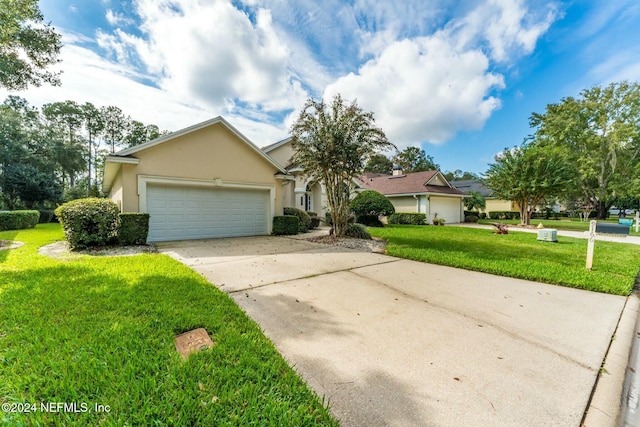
(364, 245)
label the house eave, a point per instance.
(428, 193)
(112, 165)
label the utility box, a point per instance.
(548, 235)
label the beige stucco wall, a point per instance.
(492, 205)
(282, 154)
(116, 191)
(404, 204)
(206, 154)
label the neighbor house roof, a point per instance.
(410, 183)
(470, 185)
(275, 145)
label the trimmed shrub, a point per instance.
(369, 205)
(357, 231)
(134, 228)
(304, 220)
(285, 225)
(369, 221)
(89, 222)
(504, 215)
(315, 220)
(18, 220)
(470, 218)
(407, 218)
(483, 215)
(45, 216)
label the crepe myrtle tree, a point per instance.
(331, 143)
(528, 175)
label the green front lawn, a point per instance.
(615, 265)
(100, 331)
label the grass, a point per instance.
(569, 224)
(520, 255)
(100, 331)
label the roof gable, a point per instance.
(174, 135)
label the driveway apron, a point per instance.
(392, 342)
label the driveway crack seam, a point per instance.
(309, 276)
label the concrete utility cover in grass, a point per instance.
(192, 342)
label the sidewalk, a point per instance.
(634, 240)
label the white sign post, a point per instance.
(592, 242)
(637, 220)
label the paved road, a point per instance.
(394, 342)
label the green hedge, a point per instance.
(18, 220)
(285, 224)
(504, 215)
(134, 228)
(470, 218)
(304, 220)
(369, 220)
(45, 216)
(315, 220)
(89, 222)
(407, 218)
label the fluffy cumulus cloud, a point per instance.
(429, 88)
(212, 53)
(423, 90)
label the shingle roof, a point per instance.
(410, 183)
(469, 185)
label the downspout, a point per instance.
(417, 203)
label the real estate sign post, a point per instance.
(592, 242)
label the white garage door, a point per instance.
(447, 208)
(179, 213)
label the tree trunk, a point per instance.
(525, 217)
(602, 209)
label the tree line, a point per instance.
(584, 151)
(56, 153)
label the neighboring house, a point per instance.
(492, 203)
(425, 192)
(301, 192)
(207, 180)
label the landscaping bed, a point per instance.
(97, 333)
(520, 255)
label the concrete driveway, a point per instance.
(393, 342)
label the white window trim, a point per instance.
(143, 180)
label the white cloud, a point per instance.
(429, 88)
(211, 52)
(506, 27)
(423, 90)
(117, 19)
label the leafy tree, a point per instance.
(332, 143)
(379, 163)
(115, 125)
(27, 46)
(31, 186)
(459, 175)
(529, 175)
(475, 201)
(414, 159)
(600, 132)
(94, 126)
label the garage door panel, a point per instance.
(194, 213)
(447, 208)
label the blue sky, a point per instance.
(459, 78)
